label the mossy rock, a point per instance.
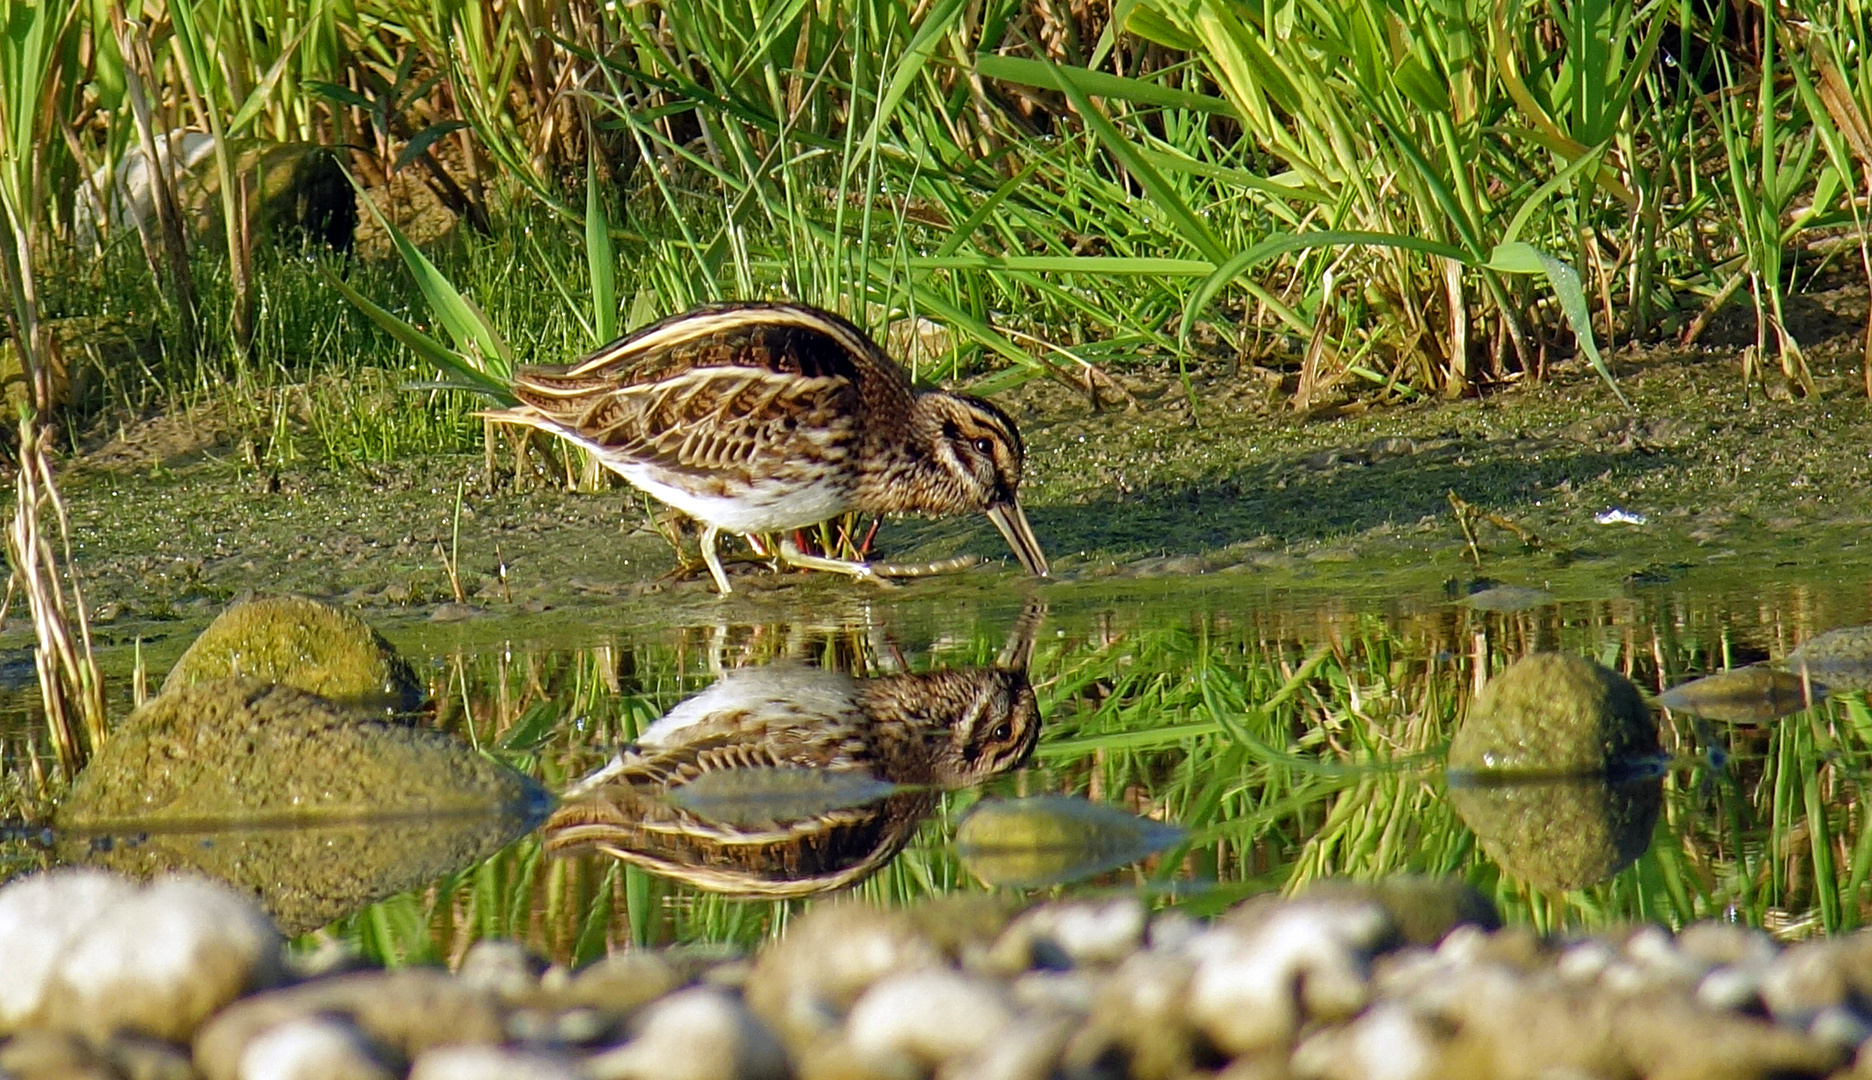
(1554, 714)
(244, 751)
(303, 644)
(1555, 768)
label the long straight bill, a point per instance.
(1012, 522)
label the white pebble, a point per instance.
(696, 1034)
(1732, 987)
(1084, 932)
(1244, 993)
(40, 918)
(311, 1048)
(930, 1016)
(1586, 961)
(162, 959)
(1387, 1042)
(490, 1063)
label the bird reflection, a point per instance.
(923, 733)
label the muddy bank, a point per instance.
(1704, 479)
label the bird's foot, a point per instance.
(790, 555)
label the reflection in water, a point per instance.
(939, 730)
(1560, 832)
(1052, 839)
(1556, 767)
(308, 874)
(1288, 737)
(1750, 695)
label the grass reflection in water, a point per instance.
(1290, 743)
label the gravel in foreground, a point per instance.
(1404, 979)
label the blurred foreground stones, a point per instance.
(1402, 980)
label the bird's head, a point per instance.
(973, 456)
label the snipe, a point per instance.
(930, 731)
(759, 417)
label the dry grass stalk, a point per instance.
(69, 682)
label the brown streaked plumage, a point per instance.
(939, 730)
(769, 417)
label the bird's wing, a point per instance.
(712, 420)
(787, 338)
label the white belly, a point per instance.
(761, 508)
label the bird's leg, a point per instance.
(709, 555)
(791, 555)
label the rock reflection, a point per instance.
(1750, 695)
(1052, 839)
(1557, 769)
(316, 808)
(919, 733)
(1842, 658)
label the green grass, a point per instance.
(1332, 189)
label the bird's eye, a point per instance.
(984, 447)
(1003, 732)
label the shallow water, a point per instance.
(1293, 731)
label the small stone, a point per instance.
(503, 966)
(618, 983)
(1255, 984)
(930, 1016)
(31, 1055)
(41, 917)
(1140, 1015)
(491, 1063)
(161, 960)
(1387, 1042)
(1809, 977)
(407, 1012)
(695, 1034)
(802, 985)
(1028, 1050)
(1071, 934)
(312, 1048)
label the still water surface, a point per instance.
(1284, 736)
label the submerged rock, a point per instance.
(1556, 768)
(1049, 839)
(303, 644)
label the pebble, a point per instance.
(695, 1034)
(312, 1048)
(1341, 983)
(492, 1063)
(41, 918)
(1073, 933)
(929, 1017)
(1254, 986)
(92, 954)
